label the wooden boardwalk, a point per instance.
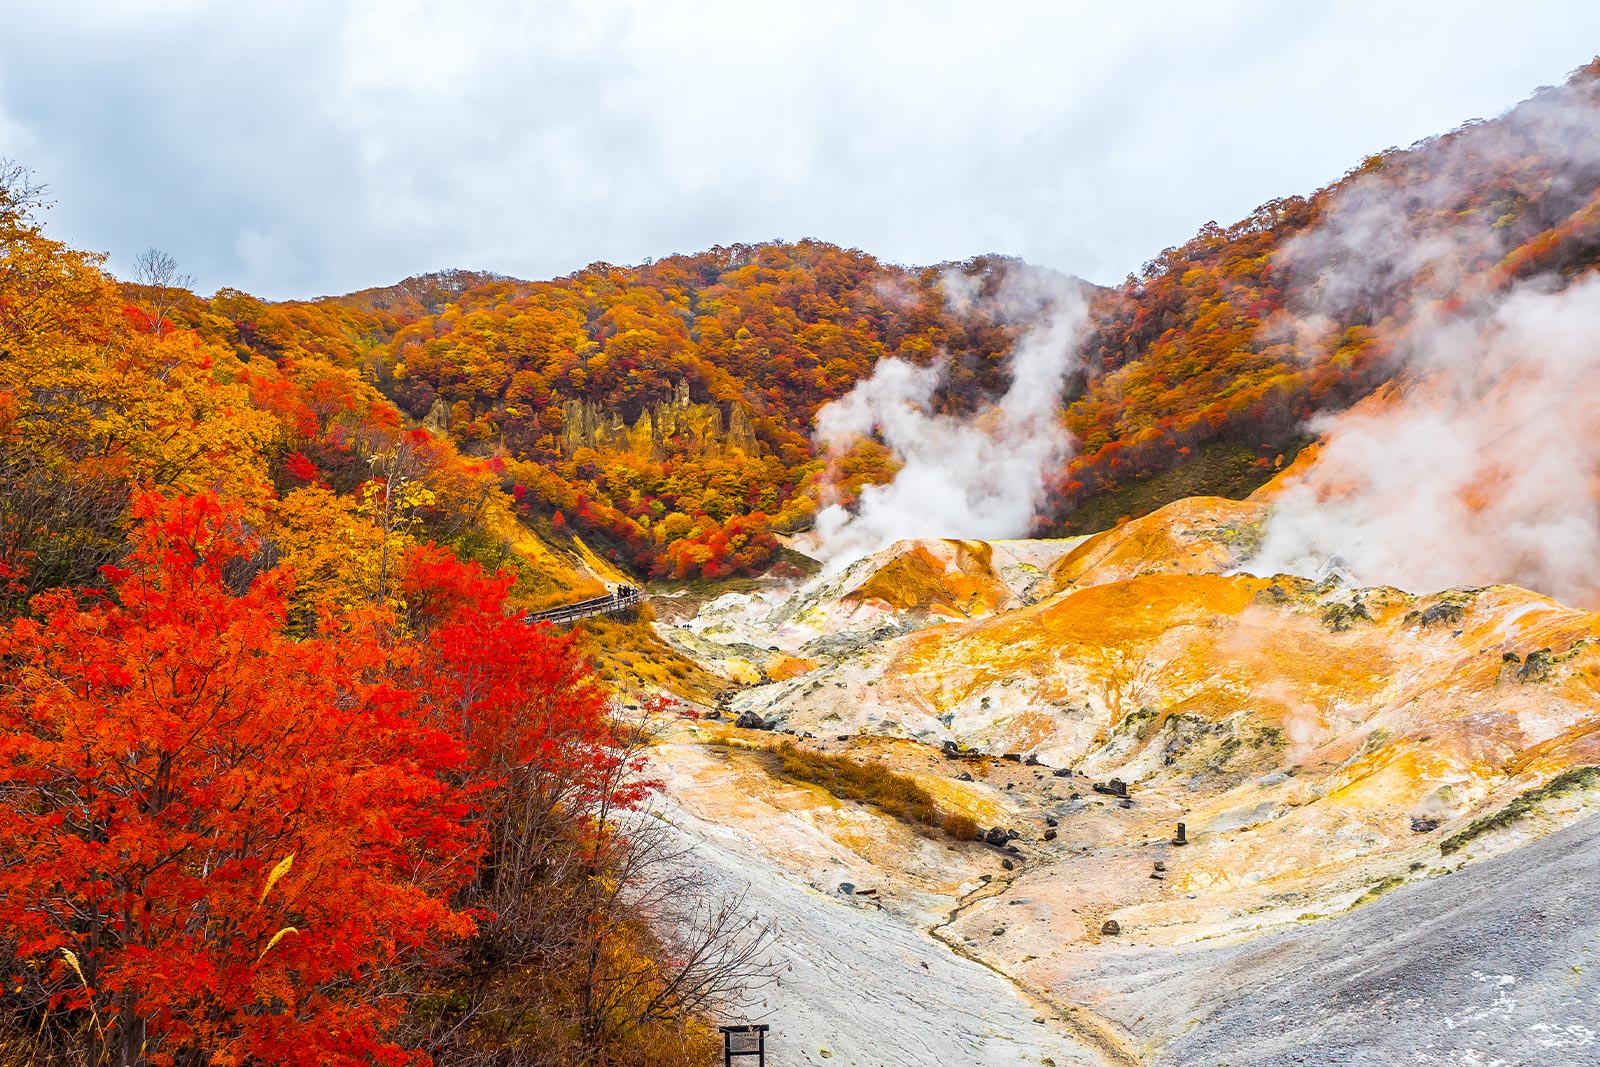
(620, 599)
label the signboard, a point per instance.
(750, 1039)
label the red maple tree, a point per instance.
(215, 839)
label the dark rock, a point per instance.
(956, 750)
(1158, 876)
(847, 889)
(842, 737)
(749, 720)
(1110, 927)
(1008, 865)
(1451, 613)
(1012, 834)
(1049, 835)
(1062, 772)
(964, 776)
(1012, 757)
(1536, 668)
(997, 836)
(713, 715)
(1115, 788)
(1013, 850)
(1422, 824)
(1032, 760)
(1050, 820)
(1160, 866)
(1011, 785)
(999, 931)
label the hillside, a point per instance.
(666, 410)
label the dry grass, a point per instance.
(632, 660)
(867, 782)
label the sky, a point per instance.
(300, 149)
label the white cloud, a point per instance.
(387, 139)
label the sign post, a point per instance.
(742, 1042)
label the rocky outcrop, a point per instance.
(437, 420)
(670, 425)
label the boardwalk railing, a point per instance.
(619, 599)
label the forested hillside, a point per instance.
(666, 410)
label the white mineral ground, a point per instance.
(1312, 920)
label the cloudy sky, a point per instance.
(296, 149)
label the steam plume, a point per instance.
(1483, 465)
(983, 476)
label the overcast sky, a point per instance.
(298, 149)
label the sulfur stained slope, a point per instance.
(1316, 740)
(1325, 747)
(1196, 535)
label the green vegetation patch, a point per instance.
(1566, 782)
(1226, 469)
(1341, 617)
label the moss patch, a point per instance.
(1569, 781)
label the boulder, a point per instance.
(1110, 927)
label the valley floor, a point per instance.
(1495, 965)
(1391, 802)
(855, 984)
